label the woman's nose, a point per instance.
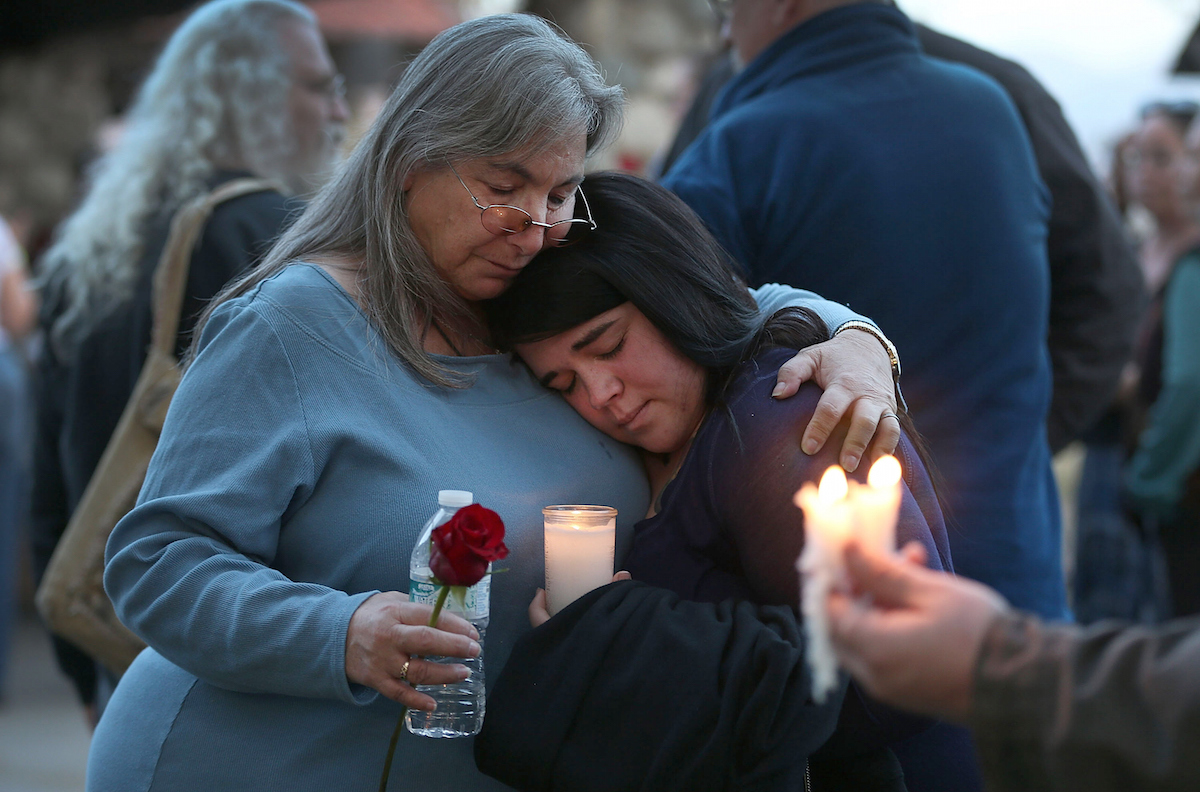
(602, 390)
(530, 240)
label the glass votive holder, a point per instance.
(580, 543)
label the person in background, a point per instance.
(242, 88)
(1151, 173)
(1162, 477)
(1054, 707)
(1096, 291)
(18, 315)
(847, 227)
(1120, 567)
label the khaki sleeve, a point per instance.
(1107, 707)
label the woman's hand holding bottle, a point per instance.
(388, 636)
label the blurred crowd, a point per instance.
(1138, 544)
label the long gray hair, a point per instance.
(491, 86)
(217, 98)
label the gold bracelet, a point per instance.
(867, 327)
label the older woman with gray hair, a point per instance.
(332, 393)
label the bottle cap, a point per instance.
(455, 499)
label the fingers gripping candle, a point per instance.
(833, 512)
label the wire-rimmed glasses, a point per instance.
(503, 219)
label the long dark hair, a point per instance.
(650, 249)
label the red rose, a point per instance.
(464, 546)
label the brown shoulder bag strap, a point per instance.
(171, 275)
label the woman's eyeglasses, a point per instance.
(504, 219)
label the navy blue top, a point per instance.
(845, 160)
(728, 528)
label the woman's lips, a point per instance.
(628, 419)
(509, 270)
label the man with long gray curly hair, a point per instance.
(242, 88)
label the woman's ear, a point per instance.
(409, 178)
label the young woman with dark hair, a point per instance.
(646, 331)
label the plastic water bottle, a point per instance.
(460, 706)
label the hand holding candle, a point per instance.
(834, 512)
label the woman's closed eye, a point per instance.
(609, 355)
(506, 193)
(551, 382)
(612, 353)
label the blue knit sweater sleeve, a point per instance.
(193, 568)
(1169, 448)
(772, 297)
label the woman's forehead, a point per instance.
(590, 330)
(577, 338)
(560, 162)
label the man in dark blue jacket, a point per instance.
(843, 159)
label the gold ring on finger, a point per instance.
(404, 670)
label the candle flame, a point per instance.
(885, 472)
(833, 485)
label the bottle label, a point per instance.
(422, 591)
(474, 605)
